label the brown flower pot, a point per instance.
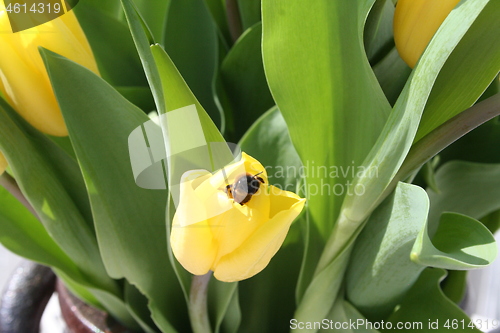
(27, 294)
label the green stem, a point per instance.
(198, 310)
(10, 184)
(443, 136)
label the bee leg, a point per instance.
(229, 192)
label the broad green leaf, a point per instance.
(380, 271)
(221, 297)
(191, 42)
(323, 290)
(471, 67)
(169, 89)
(112, 46)
(270, 134)
(341, 317)
(492, 221)
(471, 189)
(78, 290)
(249, 12)
(232, 319)
(460, 242)
(139, 96)
(218, 11)
(317, 83)
(143, 38)
(392, 73)
(427, 309)
(56, 191)
(396, 139)
(455, 285)
(24, 235)
(137, 304)
(177, 94)
(109, 7)
(155, 14)
(242, 74)
(378, 37)
(386, 157)
(129, 220)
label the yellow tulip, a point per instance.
(415, 22)
(212, 232)
(3, 163)
(24, 80)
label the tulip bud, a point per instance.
(24, 79)
(3, 163)
(214, 230)
(415, 22)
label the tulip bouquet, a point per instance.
(256, 166)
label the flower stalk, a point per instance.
(198, 309)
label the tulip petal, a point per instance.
(191, 238)
(256, 252)
(25, 81)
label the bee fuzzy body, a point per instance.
(244, 188)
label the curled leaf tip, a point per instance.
(212, 230)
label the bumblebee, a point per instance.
(244, 187)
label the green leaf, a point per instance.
(467, 188)
(177, 94)
(137, 304)
(191, 42)
(392, 73)
(308, 75)
(109, 7)
(155, 14)
(427, 309)
(455, 285)
(460, 242)
(218, 11)
(143, 39)
(396, 139)
(378, 37)
(112, 46)
(139, 96)
(380, 270)
(471, 67)
(129, 220)
(220, 297)
(242, 74)
(249, 12)
(24, 235)
(56, 191)
(342, 315)
(270, 134)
